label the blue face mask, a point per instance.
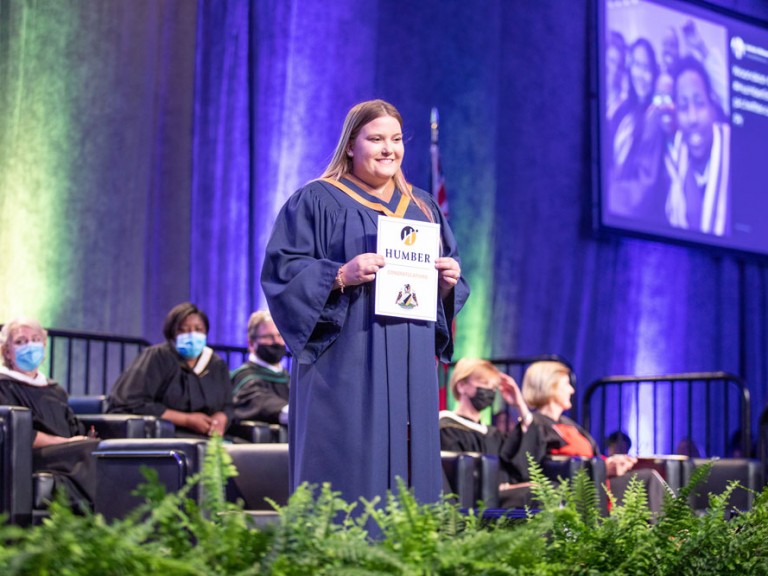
(29, 356)
(190, 344)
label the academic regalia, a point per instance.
(159, 379)
(71, 463)
(541, 438)
(357, 379)
(459, 434)
(566, 437)
(259, 392)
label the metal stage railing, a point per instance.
(702, 413)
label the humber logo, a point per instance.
(408, 235)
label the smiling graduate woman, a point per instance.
(364, 398)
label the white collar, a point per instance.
(39, 380)
(252, 358)
(476, 426)
(202, 360)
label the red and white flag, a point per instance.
(436, 177)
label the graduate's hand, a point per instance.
(361, 269)
(449, 272)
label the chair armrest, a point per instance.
(488, 480)
(161, 428)
(472, 477)
(128, 426)
(115, 425)
(459, 474)
(556, 467)
(674, 469)
(90, 404)
(257, 432)
(16, 436)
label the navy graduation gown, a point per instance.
(361, 384)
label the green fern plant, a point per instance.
(317, 532)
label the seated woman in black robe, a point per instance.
(181, 380)
(474, 384)
(547, 389)
(60, 445)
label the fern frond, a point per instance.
(542, 489)
(585, 499)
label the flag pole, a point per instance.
(434, 122)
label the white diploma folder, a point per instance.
(407, 285)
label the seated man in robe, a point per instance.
(261, 384)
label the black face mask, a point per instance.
(271, 353)
(483, 398)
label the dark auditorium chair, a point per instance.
(88, 404)
(91, 410)
(262, 474)
(16, 482)
(118, 464)
(471, 477)
(556, 467)
(258, 432)
(109, 426)
(673, 468)
(25, 495)
(746, 471)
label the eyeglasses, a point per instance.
(268, 338)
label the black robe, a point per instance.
(259, 393)
(458, 434)
(71, 464)
(160, 379)
(541, 439)
(364, 391)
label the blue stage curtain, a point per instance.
(220, 272)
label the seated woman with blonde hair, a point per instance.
(59, 444)
(547, 389)
(474, 384)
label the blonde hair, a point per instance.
(256, 320)
(466, 368)
(6, 335)
(341, 163)
(539, 382)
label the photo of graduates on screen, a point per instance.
(667, 128)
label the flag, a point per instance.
(436, 177)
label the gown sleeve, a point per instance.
(137, 388)
(451, 305)
(517, 445)
(220, 375)
(299, 270)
